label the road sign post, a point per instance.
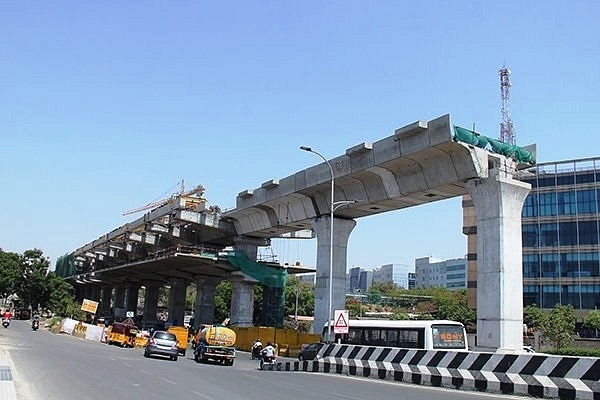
(340, 322)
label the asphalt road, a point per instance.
(57, 366)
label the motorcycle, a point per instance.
(5, 322)
(256, 349)
(266, 361)
(35, 324)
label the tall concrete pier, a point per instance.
(498, 202)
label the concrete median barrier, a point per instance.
(537, 375)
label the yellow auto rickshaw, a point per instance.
(123, 334)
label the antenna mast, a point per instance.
(506, 126)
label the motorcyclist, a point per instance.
(268, 352)
(35, 322)
(6, 316)
(256, 348)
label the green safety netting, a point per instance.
(509, 150)
(273, 280)
(65, 266)
(268, 276)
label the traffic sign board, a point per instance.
(340, 324)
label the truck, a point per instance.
(182, 333)
(214, 342)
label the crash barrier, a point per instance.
(536, 375)
(82, 330)
(288, 341)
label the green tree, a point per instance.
(33, 288)
(456, 311)
(222, 301)
(9, 273)
(533, 317)
(27, 275)
(592, 320)
(306, 298)
(399, 315)
(354, 307)
(559, 326)
(61, 296)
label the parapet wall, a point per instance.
(536, 375)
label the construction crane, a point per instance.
(506, 126)
(199, 190)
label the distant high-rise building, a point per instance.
(353, 280)
(366, 280)
(361, 279)
(395, 273)
(432, 272)
(412, 280)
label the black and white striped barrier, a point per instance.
(536, 375)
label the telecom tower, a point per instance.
(506, 126)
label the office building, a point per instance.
(560, 232)
(433, 272)
(395, 273)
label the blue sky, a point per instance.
(106, 106)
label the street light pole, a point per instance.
(333, 206)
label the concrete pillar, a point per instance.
(105, 300)
(498, 203)
(204, 311)
(131, 297)
(118, 310)
(250, 245)
(88, 292)
(151, 300)
(177, 301)
(341, 232)
(95, 294)
(242, 299)
(120, 296)
(79, 292)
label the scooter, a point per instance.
(35, 324)
(5, 322)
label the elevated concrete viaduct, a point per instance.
(420, 163)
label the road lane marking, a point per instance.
(169, 381)
(336, 394)
(203, 396)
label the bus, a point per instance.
(408, 334)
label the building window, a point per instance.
(531, 266)
(567, 203)
(588, 233)
(568, 233)
(547, 204)
(586, 202)
(531, 295)
(550, 266)
(530, 206)
(529, 234)
(548, 235)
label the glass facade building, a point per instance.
(561, 234)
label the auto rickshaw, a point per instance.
(123, 334)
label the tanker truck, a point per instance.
(214, 342)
